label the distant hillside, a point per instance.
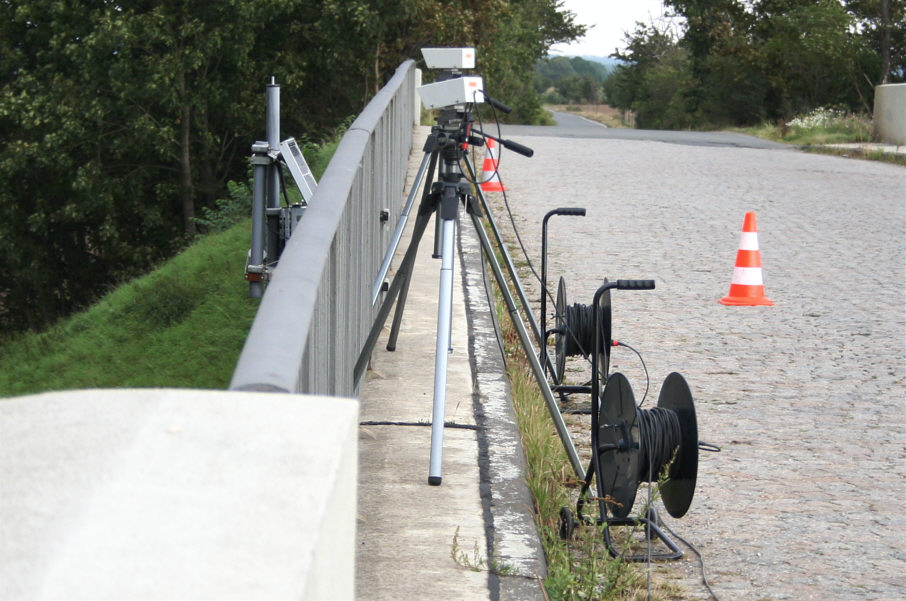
(609, 63)
(549, 72)
(571, 79)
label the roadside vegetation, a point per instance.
(182, 324)
(123, 122)
(579, 568)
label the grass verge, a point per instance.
(579, 568)
(822, 130)
(182, 325)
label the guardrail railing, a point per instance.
(317, 309)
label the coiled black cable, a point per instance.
(661, 435)
(580, 335)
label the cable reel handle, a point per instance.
(570, 211)
(635, 284)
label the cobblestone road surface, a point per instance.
(806, 398)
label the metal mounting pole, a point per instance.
(256, 270)
(272, 233)
(273, 142)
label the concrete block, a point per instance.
(890, 113)
(166, 494)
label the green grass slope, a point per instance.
(183, 325)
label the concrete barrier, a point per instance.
(177, 494)
(890, 113)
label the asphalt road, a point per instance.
(573, 126)
(806, 398)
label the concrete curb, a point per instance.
(513, 539)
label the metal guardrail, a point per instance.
(317, 309)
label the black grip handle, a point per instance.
(573, 211)
(517, 147)
(635, 284)
(498, 105)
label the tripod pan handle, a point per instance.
(498, 105)
(517, 147)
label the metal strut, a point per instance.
(443, 198)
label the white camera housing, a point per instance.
(450, 92)
(449, 58)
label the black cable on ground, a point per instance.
(701, 559)
(446, 424)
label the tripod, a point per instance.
(444, 152)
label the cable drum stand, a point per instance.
(629, 445)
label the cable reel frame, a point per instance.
(572, 332)
(621, 431)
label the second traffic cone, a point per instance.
(747, 286)
(491, 181)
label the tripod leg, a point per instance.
(530, 354)
(398, 314)
(402, 277)
(425, 208)
(401, 224)
(444, 319)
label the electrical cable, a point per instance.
(701, 559)
(446, 424)
(644, 367)
(283, 184)
(492, 305)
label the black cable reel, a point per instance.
(637, 445)
(574, 333)
(630, 445)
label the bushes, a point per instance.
(740, 64)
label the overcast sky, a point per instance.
(610, 19)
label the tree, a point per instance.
(654, 79)
(120, 120)
(808, 55)
(117, 121)
(762, 59)
(882, 24)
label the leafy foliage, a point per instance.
(122, 123)
(739, 63)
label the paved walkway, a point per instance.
(417, 541)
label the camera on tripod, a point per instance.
(452, 87)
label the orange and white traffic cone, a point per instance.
(490, 180)
(747, 286)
